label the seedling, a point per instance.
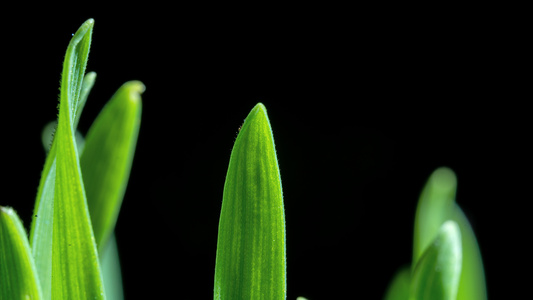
(446, 258)
(70, 255)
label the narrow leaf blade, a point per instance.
(436, 275)
(107, 157)
(434, 207)
(18, 275)
(75, 266)
(250, 262)
(472, 284)
(41, 228)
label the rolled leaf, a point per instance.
(108, 155)
(434, 207)
(41, 228)
(436, 275)
(62, 238)
(250, 261)
(472, 284)
(18, 275)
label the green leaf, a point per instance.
(18, 275)
(399, 287)
(107, 158)
(47, 135)
(86, 86)
(434, 207)
(110, 263)
(472, 284)
(250, 261)
(436, 275)
(62, 239)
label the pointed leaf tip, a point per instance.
(107, 159)
(250, 261)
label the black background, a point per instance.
(364, 105)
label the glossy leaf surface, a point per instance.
(472, 285)
(434, 207)
(250, 261)
(436, 275)
(18, 275)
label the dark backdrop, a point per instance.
(364, 105)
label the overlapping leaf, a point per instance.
(472, 284)
(108, 155)
(105, 165)
(250, 262)
(434, 207)
(61, 237)
(436, 275)
(18, 276)
(437, 205)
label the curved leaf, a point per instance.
(472, 284)
(108, 155)
(250, 262)
(62, 239)
(434, 207)
(436, 275)
(18, 275)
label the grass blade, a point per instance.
(18, 275)
(472, 284)
(75, 266)
(436, 275)
(86, 87)
(399, 287)
(434, 207)
(107, 158)
(47, 136)
(250, 261)
(42, 224)
(61, 237)
(41, 229)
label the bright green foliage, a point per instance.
(75, 266)
(63, 262)
(250, 262)
(61, 234)
(18, 277)
(105, 164)
(436, 275)
(107, 158)
(472, 284)
(436, 206)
